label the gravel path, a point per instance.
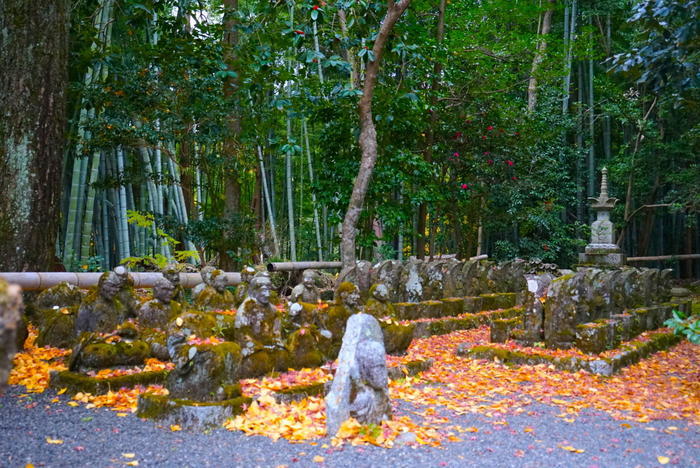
(98, 437)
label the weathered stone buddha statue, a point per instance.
(215, 296)
(242, 290)
(378, 304)
(102, 310)
(258, 323)
(126, 293)
(157, 312)
(205, 273)
(306, 291)
(171, 272)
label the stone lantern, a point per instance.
(602, 249)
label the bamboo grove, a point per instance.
(226, 130)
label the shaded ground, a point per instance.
(538, 437)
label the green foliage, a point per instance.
(682, 325)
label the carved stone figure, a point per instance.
(360, 385)
(126, 293)
(242, 290)
(171, 272)
(378, 304)
(102, 310)
(205, 273)
(215, 296)
(258, 323)
(157, 312)
(306, 291)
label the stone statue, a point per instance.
(258, 323)
(157, 312)
(215, 296)
(378, 304)
(360, 385)
(306, 291)
(126, 290)
(205, 273)
(247, 274)
(102, 310)
(171, 272)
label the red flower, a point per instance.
(486, 153)
(516, 133)
(457, 135)
(483, 137)
(514, 178)
(489, 128)
(315, 7)
(468, 121)
(455, 155)
(509, 162)
(465, 186)
(300, 32)
(490, 162)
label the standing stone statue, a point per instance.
(126, 294)
(378, 304)
(215, 296)
(306, 291)
(242, 290)
(360, 386)
(258, 323)
(11, 310)
(157, 312)
(101, 311)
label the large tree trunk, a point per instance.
(33, 60)
(368, 135)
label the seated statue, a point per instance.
(258, 324)
(126, 290)
(369, 400)
(102, 310)
(306, 291)
(241, 292)
(346, 303)
(171, 272)
(205, 273)
(215, 296)
(157, 312)
(378, 304)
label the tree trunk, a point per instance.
(33, 60)
(232, 148)
(430, 133)
(368, 135)
(539, 56)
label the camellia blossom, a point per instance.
(465, 186)
(489, 128)
(299, 31)
(315, 7)
(509, 162)
(483, 137)
(490, 162)
(457, 135)
(455, 154)
(514, 178)
(486, 153)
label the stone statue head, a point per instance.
(247, 274)
(260, 289)
(121, 275)
(347, 294)
(163, 290)
(380, 292)
(109, 285)
(218, 280)
(308, 279)
(171, 272)
(372, 363)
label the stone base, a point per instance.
(602, 254)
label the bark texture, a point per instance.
(368, 135)
(33, 60)
(539, 56)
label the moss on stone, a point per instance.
(122, 353)
(76, 382)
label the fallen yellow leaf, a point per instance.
(122, 415)
(49, 440)
(62, 391)
(571, 449)
(175, 427)
(528, 429)
(319, 459)
(73, 403)
(128, 455)
(132, 463)
(663, 460)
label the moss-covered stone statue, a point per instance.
(346, 302)
(171, 272)
(53, 312)
(259, 330)
(160, 310)
(205, 274)
(126, 294)
(306, 291)
(397, 337)
(215, 296)
(102, 310)
(242, 290)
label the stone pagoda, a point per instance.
(602, 249)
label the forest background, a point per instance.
(227, 130)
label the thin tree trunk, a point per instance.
(368, 135)
(569, 34)
(268, 203)
(430, 133)
(124, 250)
(349, 51)
(317, 224)
(539, 56)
